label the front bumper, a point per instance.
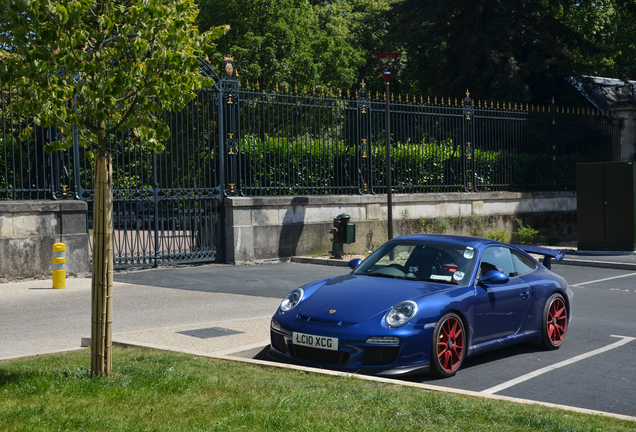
(354, 355)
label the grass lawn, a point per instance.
(163, 391)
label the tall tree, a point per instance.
(499, 49)
(280, 42)
(364, 25)
(102, 66)
(609, 24)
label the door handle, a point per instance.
(525, 294)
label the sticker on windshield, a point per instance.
(469, 253)
(441, 277)
(458, 275)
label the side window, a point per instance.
(523, 264)
(497, 258)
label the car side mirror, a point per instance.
(495, 277)
(354, 263)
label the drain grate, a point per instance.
(211, 332)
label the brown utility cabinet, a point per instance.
(605, 206)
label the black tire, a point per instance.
(448, 347)
(555, 322)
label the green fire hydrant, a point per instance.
(343, 232)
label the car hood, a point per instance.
(352, 299)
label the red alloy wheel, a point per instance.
(557, 321)
(450, 345)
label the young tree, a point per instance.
(102, 66)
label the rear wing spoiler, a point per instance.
(547, 253)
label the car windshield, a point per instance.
(438, 262)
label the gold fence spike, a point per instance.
(276, 88)
(435, 100)
(339, 93)
(313, 92)
(348, 94)
(257, 86)
(247, 84)
(422, 100)
(296, 88)
(455, 101)
(428, 100)
(497, 104)
(399, 98)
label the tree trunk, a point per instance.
(102, 283)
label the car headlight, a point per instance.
(291, 300)
(401, 313)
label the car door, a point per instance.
(499, 308)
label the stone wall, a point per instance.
(266, 228)
(28, 230)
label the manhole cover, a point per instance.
(211, 332)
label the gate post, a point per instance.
(469, 145)
(363, 117)
(552, 143)
(228, 128)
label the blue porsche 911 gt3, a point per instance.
(424, 303)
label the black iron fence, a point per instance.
(232, 140)
(294, 143)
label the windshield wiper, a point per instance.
(442, 281)
(383, 275)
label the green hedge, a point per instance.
(272, 166)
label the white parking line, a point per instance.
(603, 280)
(624, 340)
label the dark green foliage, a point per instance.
(286, 167)
(279, 43)
(498, 49)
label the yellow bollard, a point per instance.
(59, 265)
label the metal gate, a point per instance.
(167, 207)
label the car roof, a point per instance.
(446, 238)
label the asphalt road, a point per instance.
(593, 369)
(604, 307)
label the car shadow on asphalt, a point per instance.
(481, 359)
(470, 362)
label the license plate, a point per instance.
(313, 341)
